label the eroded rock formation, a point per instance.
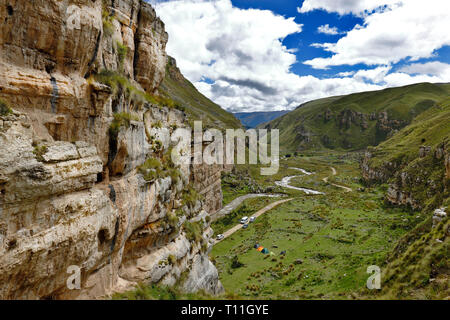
(412, 180)
(77, 75)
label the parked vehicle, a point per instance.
(244, 220)
(252, 219)
(245, 226)
(219, 237)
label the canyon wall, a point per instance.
(81, 80)
(413, 180)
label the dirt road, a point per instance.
(236, 202)
(334, 184)
(256, 215)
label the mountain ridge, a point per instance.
(355, 121)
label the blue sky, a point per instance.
(255, 55)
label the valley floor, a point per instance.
(329, 239)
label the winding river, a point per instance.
(286, 180)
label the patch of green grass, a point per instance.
(418, 267)
(156, 292)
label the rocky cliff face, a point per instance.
(412, 180)
(82, 78)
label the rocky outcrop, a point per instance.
(413, 179)
(81, 78)
(151, 59)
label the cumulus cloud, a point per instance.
(357, 7)
(376, 75)
(408, 30)
(434, 68)
(236, 57)
(346, 74)
(326, 29)
(241, 54)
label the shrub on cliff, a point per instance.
(119, 83)
(193, 231)
(122, 51)
(122, 119)
(4, 108)
(190, 197)
(108, 27)
(151, 169)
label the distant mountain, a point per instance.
(253, 119)
(355, 121)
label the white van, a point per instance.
(244, 220)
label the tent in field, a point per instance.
(261, 249)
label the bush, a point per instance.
(122, 51)
(190, 197)
(151, 169)
(108, 27)
(4, 109)
(235, 263)
(193, 231)
(157, 124)
(122, 119)
(39, 151)
(171, 259)
(172, 219)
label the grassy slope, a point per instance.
(196, 105)
(403, 103)
(418, 268)
(432, 129)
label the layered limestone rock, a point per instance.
(77, 75)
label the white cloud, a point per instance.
(214, 39)
(357, 7)
(326, 29)
(401, 79)
(434, 68)
(241, 52)
(411, 30)
(346, 74)
(376, 75)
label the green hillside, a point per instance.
(195, 104)
(413, 160)
(355, 121)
